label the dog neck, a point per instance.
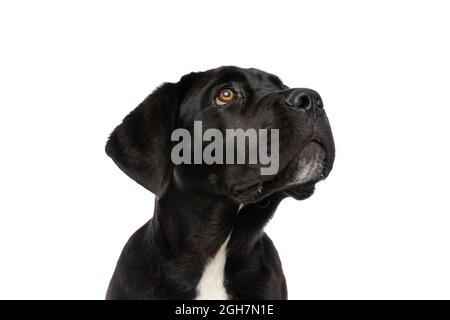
(194, 223)
(191, 228)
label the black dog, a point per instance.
(206, 239)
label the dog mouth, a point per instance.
(296, 179)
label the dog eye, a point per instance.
(225, 96)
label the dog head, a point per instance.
(223, 99)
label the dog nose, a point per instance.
(303, 99)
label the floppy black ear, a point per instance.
(140, 145)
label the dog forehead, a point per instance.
(251, 76)
(264, 78)
(255, 78)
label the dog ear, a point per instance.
(140, 145)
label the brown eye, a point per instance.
(225, 96)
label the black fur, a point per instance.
(196, 205)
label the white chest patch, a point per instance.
(211, 284)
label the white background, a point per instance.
(71, 70)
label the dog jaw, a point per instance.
(309, 166)
(297, 179)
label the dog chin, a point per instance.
(296, 180)
(308, 166)
(300, 192)
(307, 169)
